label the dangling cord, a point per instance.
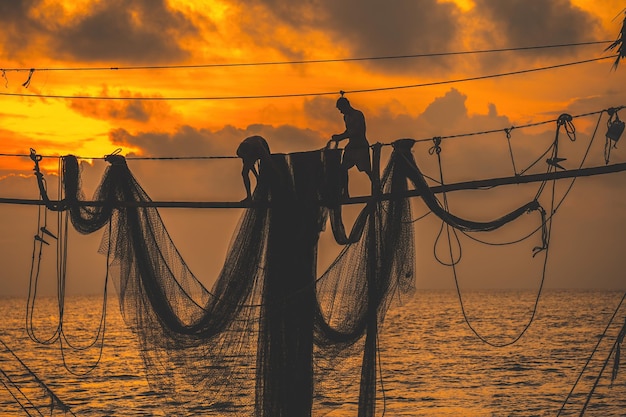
(100, 334)
(436, 150)
(30, 76)
(564, 120)
(508, 139)
(39, 240)
(554, 207)
(61, 278)
(546, 227)
(453, 260)
(546, 232)
(61, 258)
(61, 262)
(526, 326)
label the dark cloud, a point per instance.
(127, 31)
(187, 140)
(286, 138)
(371, 28)
(375, 28)
(18, 27)
(447, 110)
(538, 22)
(321, 109)
(135, 110)
(137, 31)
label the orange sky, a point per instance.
(53, 34)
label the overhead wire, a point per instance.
(310, 94)
(305, 61)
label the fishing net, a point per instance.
(272, 336)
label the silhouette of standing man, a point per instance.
(357, 150)
(251, 150)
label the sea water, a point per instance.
(430, 362)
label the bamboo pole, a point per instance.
(466, 185)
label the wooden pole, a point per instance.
(466, 185)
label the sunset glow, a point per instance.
(222, 32)
(148, 67)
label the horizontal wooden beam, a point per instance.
(467, 185)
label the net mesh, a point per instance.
(271, 337)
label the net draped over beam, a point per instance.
(272, 336)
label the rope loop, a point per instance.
(565, 120)
(545, 234)
(436, 148)
(34, 156)
(115, 158)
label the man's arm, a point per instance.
(346, 133)
(355, 126)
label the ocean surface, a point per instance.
(431, 363)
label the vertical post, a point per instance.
(367, 393)
(376, 191)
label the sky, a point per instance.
(68, 105)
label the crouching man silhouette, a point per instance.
(253, 151)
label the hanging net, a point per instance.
(272, 336)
